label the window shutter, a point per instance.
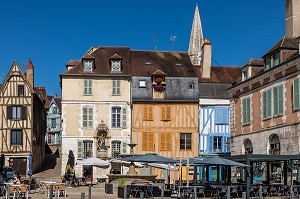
(168, 141)
(269, 103)
(23, 112)
(9, 112)
(168, 113)
(162, 141)
(145, 113)
(163, 113)
(264, 96)
(296, 100)
(244, 104)
(248, 111)
(124, 147)
(209, 147)
(280, 100)
(145, 141)
(79, 149)
(85, 90)
(84, 117)
(225, 115)
(276, 102)
(151, 142)
(90, 117)
(114, 91)
(118, 89)
(150, 116)
(90, 87)
(218, 116)
(124, 118)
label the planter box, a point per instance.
(108, 188)
(121, 191)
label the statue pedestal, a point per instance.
(132, 170)
(102, 154)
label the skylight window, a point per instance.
(148, 63)
(178, 64)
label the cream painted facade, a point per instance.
(101, 101)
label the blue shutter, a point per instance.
(218, 116)
(226, 115)
(209, 144)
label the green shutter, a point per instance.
(269, 103)
(264, 96)
(275, 98)
(90, 117)
(296, 100)
(114, 90)
(84, 117)
(280, 100)
(248, 111)
(118, 90)
(85, 87)
(244, 111)
(90, 87)
(124, 117)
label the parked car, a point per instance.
(8, 173)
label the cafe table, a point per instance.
(189, 190)
(8, 185)
(48, 190)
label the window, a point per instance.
(296, 94)
(191, 85)
(54, 109)
(116, 117)
(142, 84)
(16, 137)
(87, 117)
(165, 141)
(277, 59)
(115, 148)
(147, 113)
(124, 147)
(116, 87)
(115, 65)
(278, 100)
(245, 74)
(87, 87)
(185, 141)
(267, 63)
(124, 117)
(53, 123)
(147, 141)
(222, 116)
(165, 113)
(17, 112)
(88, 65)
(267, 104)
(217, 144)
(246, 110)
(20, 90)
(84, 149)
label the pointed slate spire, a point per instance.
(196, 39)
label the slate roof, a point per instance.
(173, 64)
(284, 43)
(214, 90)
(57, 101)
(102, 56)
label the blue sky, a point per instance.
(53, 32)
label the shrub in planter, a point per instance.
(122, 187)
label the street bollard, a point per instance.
(82, 195)
(260, 192)
(90, 191)
(244, 195)
(51, 191)
(228, 192)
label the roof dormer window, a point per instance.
(245, 74)
(277, 59)
(88, 66)
(115, 65)
(268, 63)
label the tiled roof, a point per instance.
(173, 64)
(284, 43)
(255, 63)
(222, 74)
(102, 57)
(41, 92)
(72, 62)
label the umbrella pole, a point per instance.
(180, 172)
(188, 172)
(174, 178)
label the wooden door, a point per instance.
(19, 165)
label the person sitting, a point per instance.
(16, 180)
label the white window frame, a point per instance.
(88, 65)
(116, 87)
(115, 65)
(89, 117)
(87, 87)
(142, 83)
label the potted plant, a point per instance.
(121, 187)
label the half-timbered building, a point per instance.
(53, 134)
(23, 120)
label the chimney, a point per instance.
(30, 72)
(206, 59)
(292, 18)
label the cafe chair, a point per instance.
(23, 190)
(149, 192)
(234, 192)
(265, 192)
(223, 192)
(201, 192)
(61, 190)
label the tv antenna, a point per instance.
(154, 43)
(173, 39)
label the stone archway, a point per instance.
(248, 147)
(274, 147)
(102, 140)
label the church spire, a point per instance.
(196, 39)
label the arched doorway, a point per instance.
(102, 137)
(274, 145)
(248, 146)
